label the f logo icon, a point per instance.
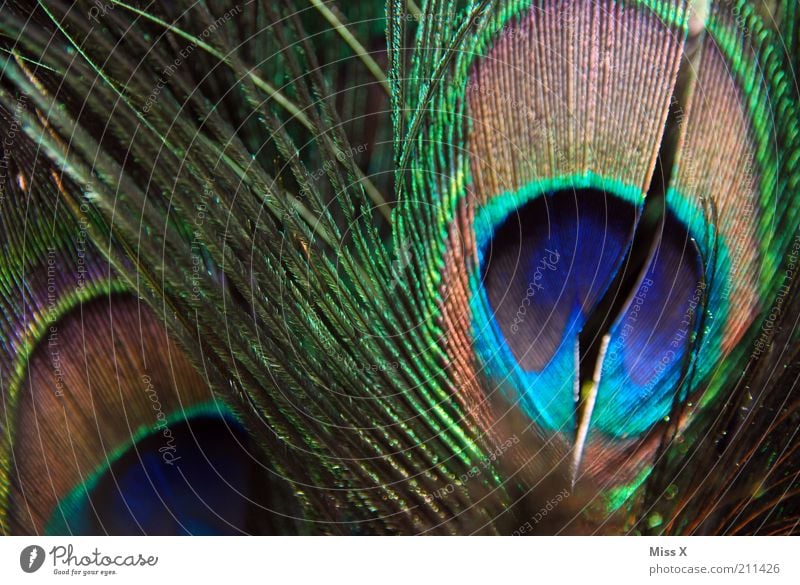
(31, 558)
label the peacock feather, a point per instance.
(467, 267)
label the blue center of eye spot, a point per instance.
(200, 474)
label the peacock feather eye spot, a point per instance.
(581, 303)
(199, 476)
